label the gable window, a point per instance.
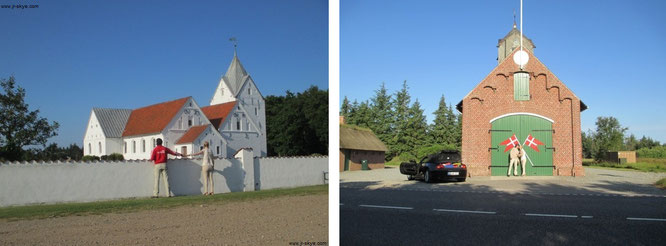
(218, 149)
(521, 86)
(99, 145)
(180, 123)
(238, 125)
(189, 122)
(256, 112)
(248, 91)
(89, 148)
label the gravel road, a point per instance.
(275, 221)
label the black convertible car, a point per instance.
(445, 164)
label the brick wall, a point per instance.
(494, 97)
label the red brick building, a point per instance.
(529, 103)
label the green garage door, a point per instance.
(540, 163)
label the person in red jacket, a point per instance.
(159, 155)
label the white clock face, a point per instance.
(521, 58)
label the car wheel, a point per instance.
(461, 180)
(426, 176)
(410, 177)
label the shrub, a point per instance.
(654, 152)
(89, 158)
(113, 157)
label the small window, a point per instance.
(89, 148)
(189, 122)
(218, 149)
(180, 123)
(154, 144)
(248, 91)
(238, 125)
(133, 146)
(99, 146)
(143, 145)
(256, 112)
(125, 147)
(521, 86)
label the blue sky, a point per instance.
(610, 53)
(71, 56)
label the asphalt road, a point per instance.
(441, 214)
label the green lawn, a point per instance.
(131, 205)
(642, 164)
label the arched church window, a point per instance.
(99, 146)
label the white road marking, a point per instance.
(464, 211)
(377, 206)
(648, 219)
(553, 215)
(586, 217)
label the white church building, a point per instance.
(235, 119)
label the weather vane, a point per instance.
(234, 41)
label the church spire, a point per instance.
(235, 42)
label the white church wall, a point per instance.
(113, 145)
(38, 182)
(94, 136)
(138, 147)
(222, 94)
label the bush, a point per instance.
(113, 157)
(405, 157)
(89, 158)
(435, 148)
(654, 152)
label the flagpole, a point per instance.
(528, 157)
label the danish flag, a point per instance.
(510, 143)
(532, 142)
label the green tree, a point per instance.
(646, 142)
(444, 130)
(382, 115)
(345, 108)
(297, 124)
(609, 136)
(398, 143)
(630, 142)
(20, 127)
(590, 148)
(415, 135)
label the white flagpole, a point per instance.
(522, 147)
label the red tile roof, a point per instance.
(192, 134)
(217, 113)
(153, 118)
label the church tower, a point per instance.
(511, 42)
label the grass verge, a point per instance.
(138, 204)
(661, 183)
(643, 164)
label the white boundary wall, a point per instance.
(39, 182)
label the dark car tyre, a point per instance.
(426, 176)
(410, 177)
(461, 179)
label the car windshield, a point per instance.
(444, 157)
